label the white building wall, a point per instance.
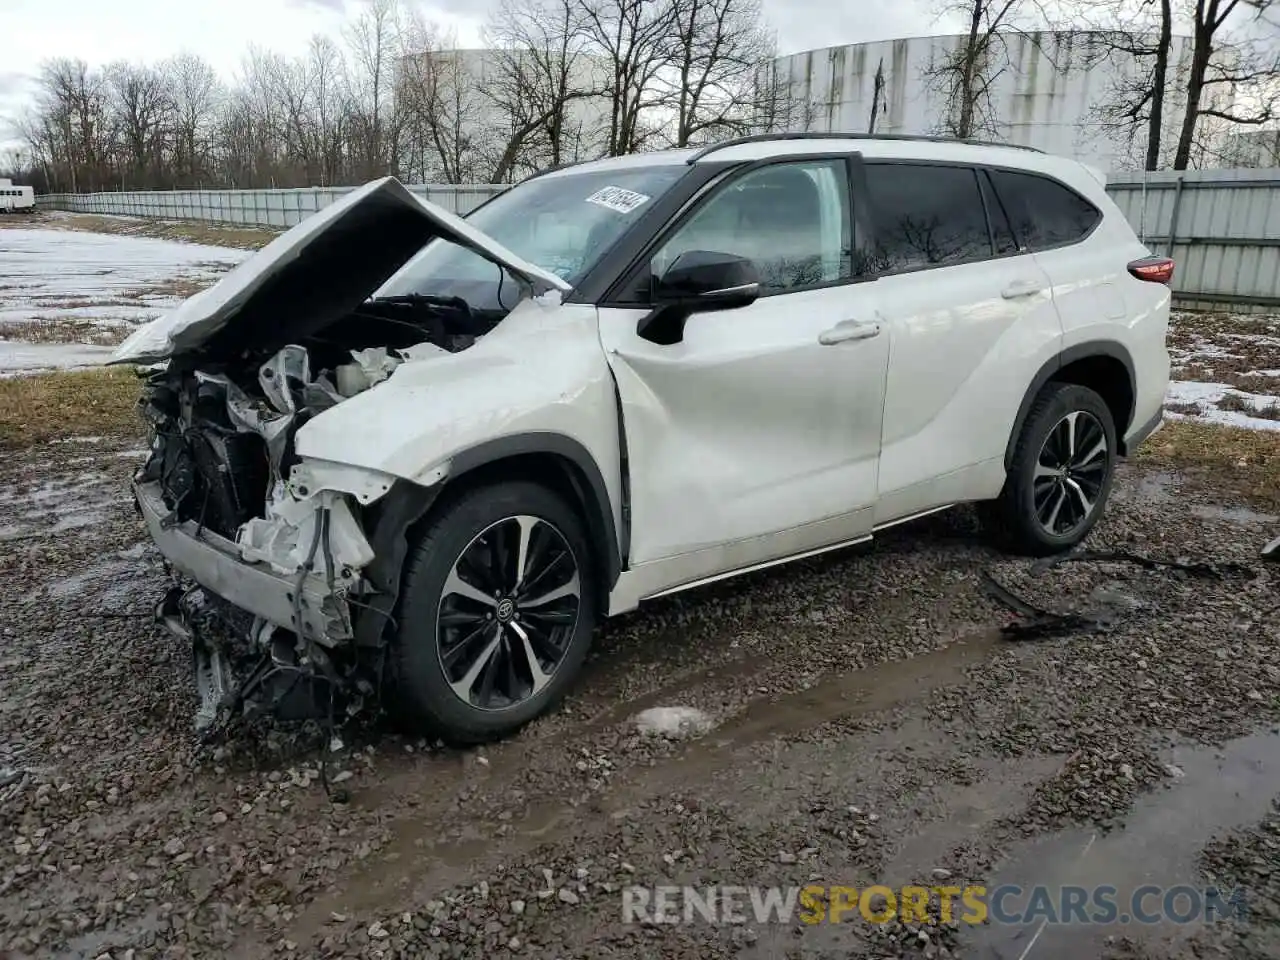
(1046, 92)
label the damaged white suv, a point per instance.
(413, 458)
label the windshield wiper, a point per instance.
(457, 303)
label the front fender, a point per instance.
(541, 372)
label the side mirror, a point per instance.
(698, 281)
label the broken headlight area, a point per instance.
(223, 461)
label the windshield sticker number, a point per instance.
(618, 199)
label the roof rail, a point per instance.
(812, 135)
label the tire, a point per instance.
(1019, 517)
(446, 625)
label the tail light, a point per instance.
(1152, 269)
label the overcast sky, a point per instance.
(220, 30)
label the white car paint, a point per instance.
(801, 422)
(431, 409)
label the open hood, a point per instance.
(316, 273)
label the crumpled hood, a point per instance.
(315, 273)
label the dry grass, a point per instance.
(188, 231)
(1238, 403)
(1229, 459)
(63, 330)
(51, 406)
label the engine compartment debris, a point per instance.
(223, 459)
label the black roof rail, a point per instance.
(812, 135)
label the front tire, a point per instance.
(499, 604)
(1061, 475)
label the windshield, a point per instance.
(563, 224)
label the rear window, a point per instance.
(1043, 212)
(926, 215)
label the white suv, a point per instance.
(413, 457)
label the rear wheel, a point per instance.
(499, 606)
(1061, 475)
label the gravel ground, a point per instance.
(870, 725)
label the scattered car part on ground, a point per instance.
(1105, 611)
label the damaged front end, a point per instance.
(295, 560)
(277, 545)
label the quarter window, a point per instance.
(1044, 212)
(790, 219)
(926, 216)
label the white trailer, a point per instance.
(16, 199)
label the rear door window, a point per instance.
(1044, 213)
(926, 215)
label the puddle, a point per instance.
(114, 583)
(78, 519)
(1221, 789)
(1153, 486)
(417, 859)
(1232, 514)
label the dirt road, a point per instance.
(871, 726)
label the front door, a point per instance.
(766, 419)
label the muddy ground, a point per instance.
(872, 725)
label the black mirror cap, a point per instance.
(708, 280)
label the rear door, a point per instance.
(763, 419)
(970, 317)
(1058, 226)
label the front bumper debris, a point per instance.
(215, 563)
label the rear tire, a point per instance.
(1061, 475)
(480, 650)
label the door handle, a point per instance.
(849, 330)
(1022, 288)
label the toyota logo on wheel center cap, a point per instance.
(506, 610)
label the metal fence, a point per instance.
(261, 208)
(1221, 226)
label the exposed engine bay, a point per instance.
(223, 459)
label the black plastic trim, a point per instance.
(814, 135)
(392, 516)
(595, 497)
(1139, 435)
(1081, 351)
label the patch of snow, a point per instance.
(1207, 396)
(18, 356)
(105, 279)
(674, 723)
(1261, 373)
(1200, 349)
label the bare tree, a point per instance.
(965, 75)
(374, 42)
(635, 37)
(1249, 65)
(197, 96)
(540, 68)
(719, 47)
(1136, 43)
(877, 97)
(438, 94)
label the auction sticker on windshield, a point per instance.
(618, 198)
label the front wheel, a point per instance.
(1062, 470)
(500, 600)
